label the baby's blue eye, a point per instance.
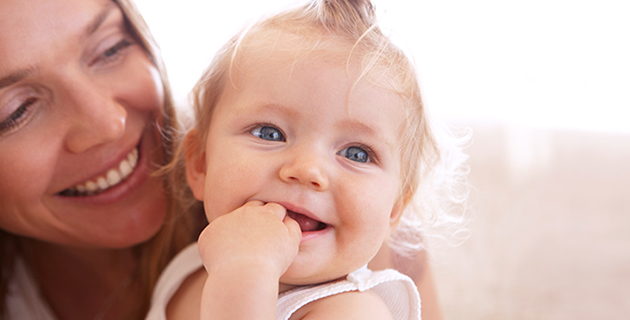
(268, 133)
(355, 154)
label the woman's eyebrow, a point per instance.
(99, 19)
(16, 77)
(90, 29)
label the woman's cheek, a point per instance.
(25, 174)
(139, 87)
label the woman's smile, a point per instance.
(111, 178)
(79, 115)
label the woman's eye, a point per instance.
(15, 118)
(268, 133)
(116, 49)
(113, 52)
(355, 154)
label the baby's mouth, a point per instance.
(113, 177)
(306, 224)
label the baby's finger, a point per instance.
(276, 209)
(294, 229)
(254, 203)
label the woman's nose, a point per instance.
(307, 169)
(95, 117)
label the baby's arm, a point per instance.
(245, 252)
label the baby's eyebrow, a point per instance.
(359, 127)
(277, 108)
(369, 130)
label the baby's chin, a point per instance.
(295, 276)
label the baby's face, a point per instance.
(302, 134)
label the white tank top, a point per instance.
(397, 290)
(23, 299)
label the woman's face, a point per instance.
(78, 103)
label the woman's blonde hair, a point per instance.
(178, 230)
(434, 168)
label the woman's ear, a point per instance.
(195, 164)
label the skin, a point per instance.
(77, 95)
(319, 115)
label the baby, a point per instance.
(310, 142)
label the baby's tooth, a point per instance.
(102, 183)
(125, 168)
(81, 188)
(91, 186)
(113, 177)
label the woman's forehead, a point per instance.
(37, 30)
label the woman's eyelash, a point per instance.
(14, 119)
(115, 49)
(113, 52)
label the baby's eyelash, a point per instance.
(257, 131)
(260, 125)
(370, 153)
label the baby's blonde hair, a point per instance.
(433, 171)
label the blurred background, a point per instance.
(544, 85)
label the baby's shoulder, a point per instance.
(177, 287)
(186, 302)
(347, 305)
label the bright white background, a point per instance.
(549, 63)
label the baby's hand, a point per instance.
(256, 237)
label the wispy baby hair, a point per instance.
(433, 165)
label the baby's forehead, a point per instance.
(276, 47)
(290, 47)
(281, 45)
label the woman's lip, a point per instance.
(139, 175)
(113, 177)
(109, 164)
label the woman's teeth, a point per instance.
(113, 177)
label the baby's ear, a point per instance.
(399, 209)
(195, 164)
(396, 214)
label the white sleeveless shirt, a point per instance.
(23, 299)
(397, 290)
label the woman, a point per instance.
(85, 229)
(84, 224)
